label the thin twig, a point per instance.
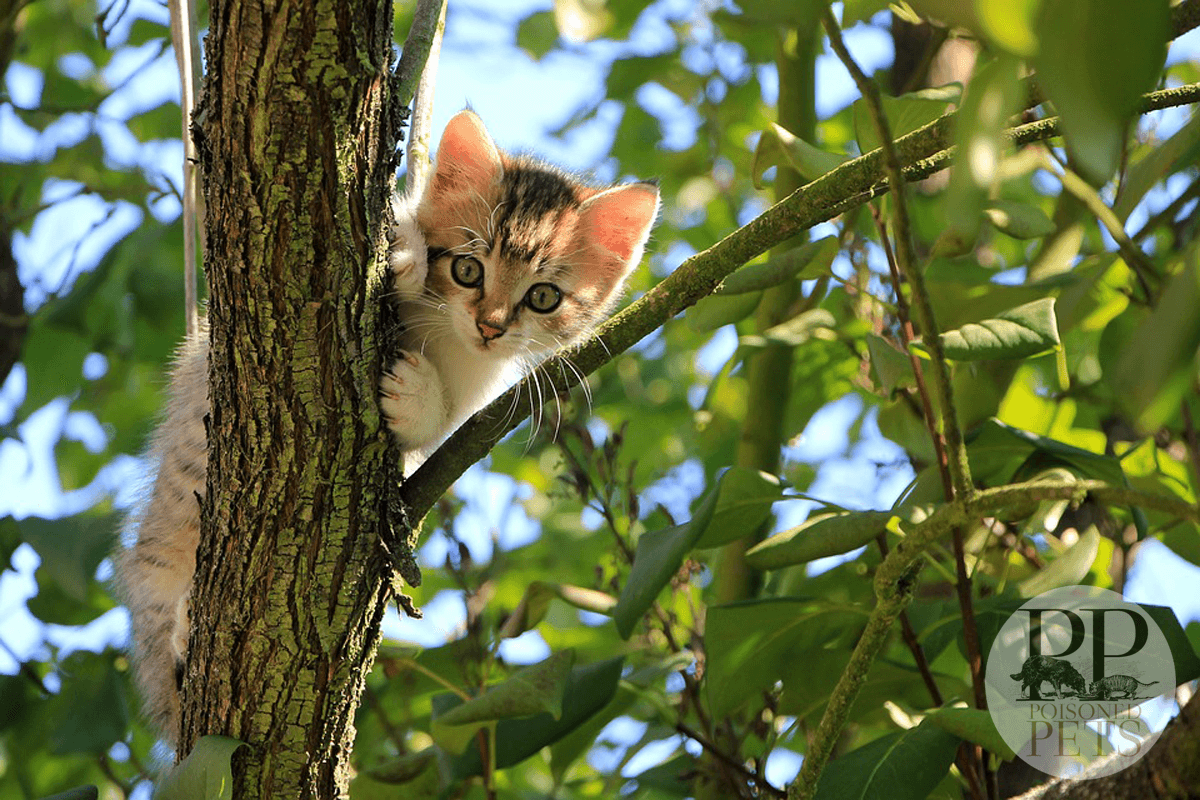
(416, 76)
(728, 760)
(187, 58)
(906, 258)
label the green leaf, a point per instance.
(891, 366)
(589, 689)
(1158, 362)
(1019, 220)
(808, 261)
(164, 121)
(91, 711)
(1002, 454)
(796, 331)
(972, 725)
(744, 499)
(54, 605)
(674, 778)
(53, 360)
(716, 311)
(980, 136)
(530, 690)
(143, 30)
(537, 34)
(1068, 569)
(777, 146)
(819, 536)
(206, 773)
(72, 94)
(72, 547)
(530, 611)
(581, 20)
(751, 644)
(405, 768)
(1187, 664)
(905, 113)
(633, 687)
(1097, 58)
(854, 11)
(658, 557)
(899, 766)
(1010, 24)
(1183, 148)
(1022, 332)
(78, 793)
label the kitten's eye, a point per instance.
(543, 297)
(467, 271)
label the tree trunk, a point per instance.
(296, 132)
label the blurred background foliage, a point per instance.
(699, 688)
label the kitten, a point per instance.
(522, 261)
(499, 263)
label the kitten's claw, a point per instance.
(410, 395)
(407, 250)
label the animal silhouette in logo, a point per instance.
(1038, 669)
(1108, 687)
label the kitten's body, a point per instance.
(502, 262)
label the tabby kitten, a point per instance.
(499, 263)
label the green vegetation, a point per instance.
(1001, 274)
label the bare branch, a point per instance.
(416, 75)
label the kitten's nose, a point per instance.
(487, 331)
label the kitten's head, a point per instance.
(525, 259)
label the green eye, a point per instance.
(543, 297)
(467, 271)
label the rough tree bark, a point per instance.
(296, 131)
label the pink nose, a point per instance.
(488, 332)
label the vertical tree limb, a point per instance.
(429, 24)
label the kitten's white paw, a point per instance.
(410, 394)
(407, 249)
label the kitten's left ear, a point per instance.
(619, 220)
(467, 159)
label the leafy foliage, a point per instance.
(1065, 284)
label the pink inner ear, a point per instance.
(466, 158)
(619, 219)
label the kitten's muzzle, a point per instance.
(489, 331)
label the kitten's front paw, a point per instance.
(407, 250)
(410, 395)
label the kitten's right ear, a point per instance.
(467, 159)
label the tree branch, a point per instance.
(187, 59)
(416, 76)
